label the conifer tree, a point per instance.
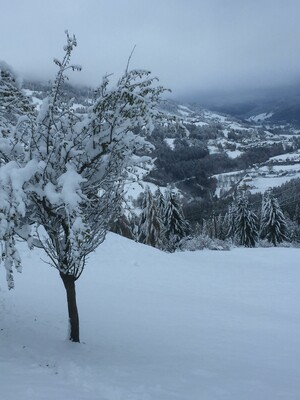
(230, 221)
(228, 224)
(150, 223)
(160, 203)
(175, 225)
(221, 229)
(245, 222)
(13, 102)
(213, 226)
(122, 226)
(296, 216)
(197, 229)
(205, 228)
(273, 222)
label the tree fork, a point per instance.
(69, 283)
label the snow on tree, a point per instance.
(245, 222)
(206, 228)
(273, 224)
(175, 225)
(296, 216)
(221, 227)
(160, 202)
(14, 104)
(150, 224)
(61, 180)
(122, 226)
(227, 228)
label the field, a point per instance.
(205, 325)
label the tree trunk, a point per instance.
(69, 283)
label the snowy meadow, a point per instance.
(209, 325)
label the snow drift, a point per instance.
(195, 325)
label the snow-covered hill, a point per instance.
(274, 172)
(155, 326)
(200, 117)
(222, 134)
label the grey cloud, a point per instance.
(191, 45)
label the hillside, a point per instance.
(214, 144)
(210, 156)
(187, 326)
(277, 105)
(211, 144)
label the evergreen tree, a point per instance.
(292, 230)
(221, 229)
(205, 228)
(13, 102)
(245, 222)
(273, 222)
(122, 226)
(150, 223)
(213, 226)
(160, 203)
(197, 229)
(296, 217)
(175, 225)
(228, 224)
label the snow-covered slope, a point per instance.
(218, 133)
(274, 172)
(260, 117)
(155, 326)
(203, 118)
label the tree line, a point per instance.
(162, 223)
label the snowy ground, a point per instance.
(259, 180)
(186, 326)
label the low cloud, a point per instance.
(192, 46)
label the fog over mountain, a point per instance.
(207, 46)
(282, 102)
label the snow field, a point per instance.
(196, 325)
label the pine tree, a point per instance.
(122, 226)
(231, 221)
(292, 229)
(221, 229)
(228, 224)
(206, 229)
(175, 225)
(13, 102)
(160, 203)
(150, 223)
(296, 216)
(197, 229)
(245, 222)
(273, 222)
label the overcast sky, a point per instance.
(191, 45)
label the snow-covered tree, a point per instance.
(61, 181)
(245, 222)
(221, 227)
(228, 224)
(149, 224)
(14, 104)
(296, 216)
(206, 228)
(160, 203)
(122, 226)
(273, 224)
(175, 225)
